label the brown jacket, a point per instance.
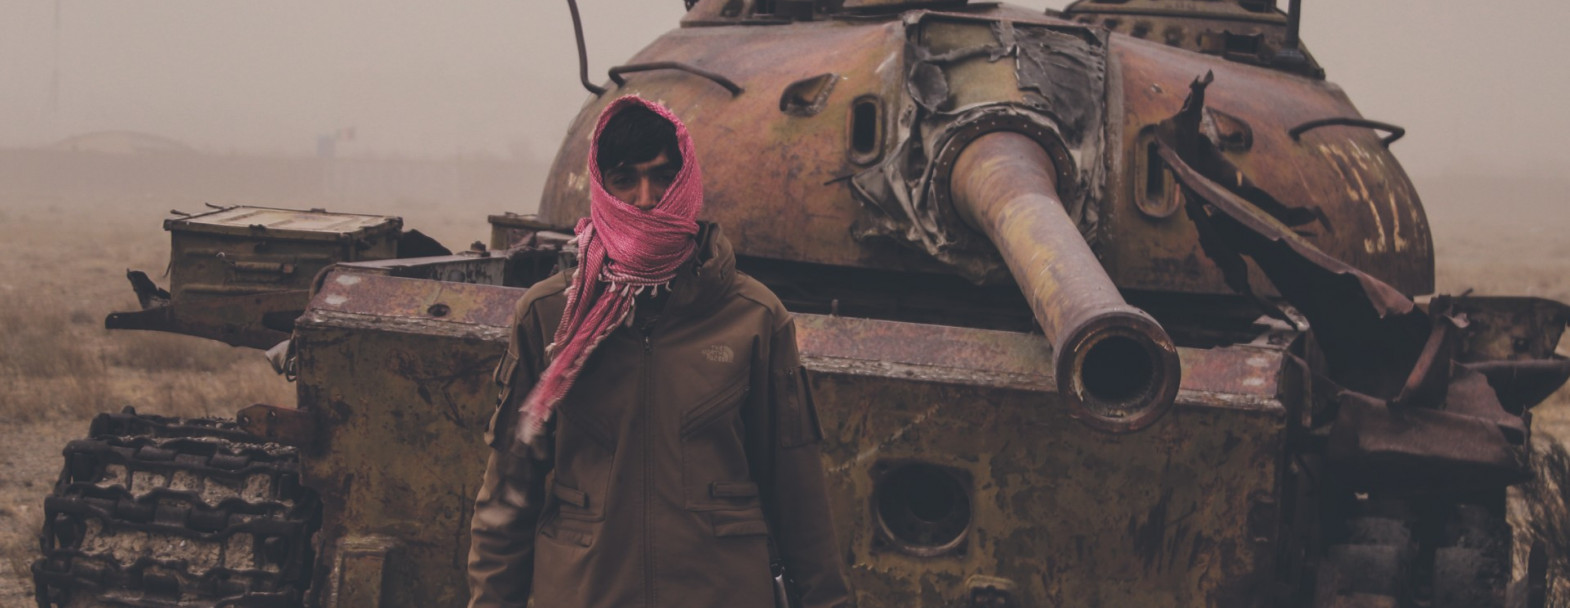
(678, 436)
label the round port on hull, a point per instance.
(922, 509)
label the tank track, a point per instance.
(155, 512)
(1437, 552)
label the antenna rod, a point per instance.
(1294, 20)
(583, 53)
(1290, 57)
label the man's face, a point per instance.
(641, 184)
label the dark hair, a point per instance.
(635, 135)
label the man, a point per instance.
(655, 442)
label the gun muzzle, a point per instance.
(1114, 364)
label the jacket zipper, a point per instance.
(648, 466)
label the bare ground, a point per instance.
(62, 265)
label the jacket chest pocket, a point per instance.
(568, 520)
(713, 450)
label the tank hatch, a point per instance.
(1247, 31)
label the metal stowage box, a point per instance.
(247, 250)
(241, 275)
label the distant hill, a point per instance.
(122, 142)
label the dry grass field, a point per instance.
(62, 265)
(62, 270)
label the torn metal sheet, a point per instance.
(1372, 332)
(1410, 417)
(1068, 71)
(1337, 187)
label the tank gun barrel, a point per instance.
(1113, 363)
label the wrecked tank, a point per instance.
(1124, 305)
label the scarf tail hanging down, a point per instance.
(622, 250)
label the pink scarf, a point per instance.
(622, 251)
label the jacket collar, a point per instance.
(704, 280)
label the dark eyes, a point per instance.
(629, 179)
(622, 180)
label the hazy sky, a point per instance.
(1476, 86)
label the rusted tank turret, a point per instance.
(1119, 306)
(1191, 242)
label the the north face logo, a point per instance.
(719, 353)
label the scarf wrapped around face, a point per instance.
(622, 251)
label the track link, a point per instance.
(157, 512)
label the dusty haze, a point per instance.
(443, 112)
(1476, 86)
(455, 110)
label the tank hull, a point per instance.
(400, 399)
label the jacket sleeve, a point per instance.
(501, 533)
(804, 531)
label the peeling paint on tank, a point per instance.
(348, 279)
(335, 300)
(1399, 242)
(884, 66)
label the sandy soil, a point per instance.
(27, 470)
